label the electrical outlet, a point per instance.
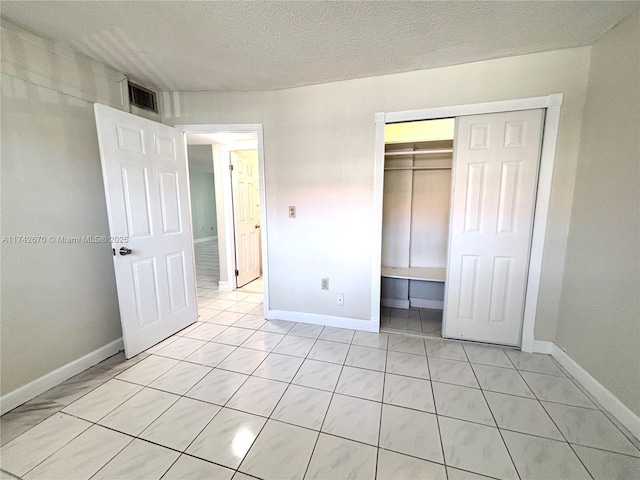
(292, 212)
(341, 299)
(325, 284)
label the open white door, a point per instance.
(245, 181)
(145, 180)
(496, 159)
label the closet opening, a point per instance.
(416, 205)
(461, 195)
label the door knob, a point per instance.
(257, 226)
(125, 251)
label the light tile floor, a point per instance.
(207, 266)
(416, 321)
(236, 396)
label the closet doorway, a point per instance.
(415, 225)
(463, 195)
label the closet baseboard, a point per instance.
(318, 319)
(395, 303)
(422, 303)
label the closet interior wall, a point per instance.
(416, 210)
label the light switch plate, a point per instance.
(292, 212)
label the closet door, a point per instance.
(495, 174)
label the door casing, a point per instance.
(226, 184)
(552, 103)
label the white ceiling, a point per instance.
(251, 45)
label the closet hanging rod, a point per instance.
(419, 152)
(441, 167)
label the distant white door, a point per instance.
(246, 216)
(145, 179)
(494, 188)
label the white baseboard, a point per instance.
(40, 385)
(224, 287)
(541, 346)
(316, 319)
(205, 239)
(422, 303)
(608, 400)
(394, 303)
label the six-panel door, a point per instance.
(145, 178)
(496, 159)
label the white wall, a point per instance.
(58, 300)
(599, 321)
(319, 145)
(203, 205)
(202, 189)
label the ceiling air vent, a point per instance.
(142, 97)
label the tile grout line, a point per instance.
(557, 427)
(118, 406)
(65, 406)
(313, 450)
(384, 382)
(435, 409)
(493, 416)
(274, 408)
(268, 352)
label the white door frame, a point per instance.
(552, 104)
(226, 183)
(229, 213)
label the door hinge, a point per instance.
(237, 273)
(230, 168)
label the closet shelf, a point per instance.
(434, 167)
(415, 273)
(419, 152)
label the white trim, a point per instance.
(227, 206)
(395, 303)
(474, 109)
(264, 224)
(547, 158)
(376, 224)
(423, 303)
(40, 385)
(543, 195)
(224, 287)
(607, 400)
(542, 346)
(317, 319)
(205, 239)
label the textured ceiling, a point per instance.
(249, 45)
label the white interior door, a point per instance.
(146, 184)
(245, 184)
(496, 159)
